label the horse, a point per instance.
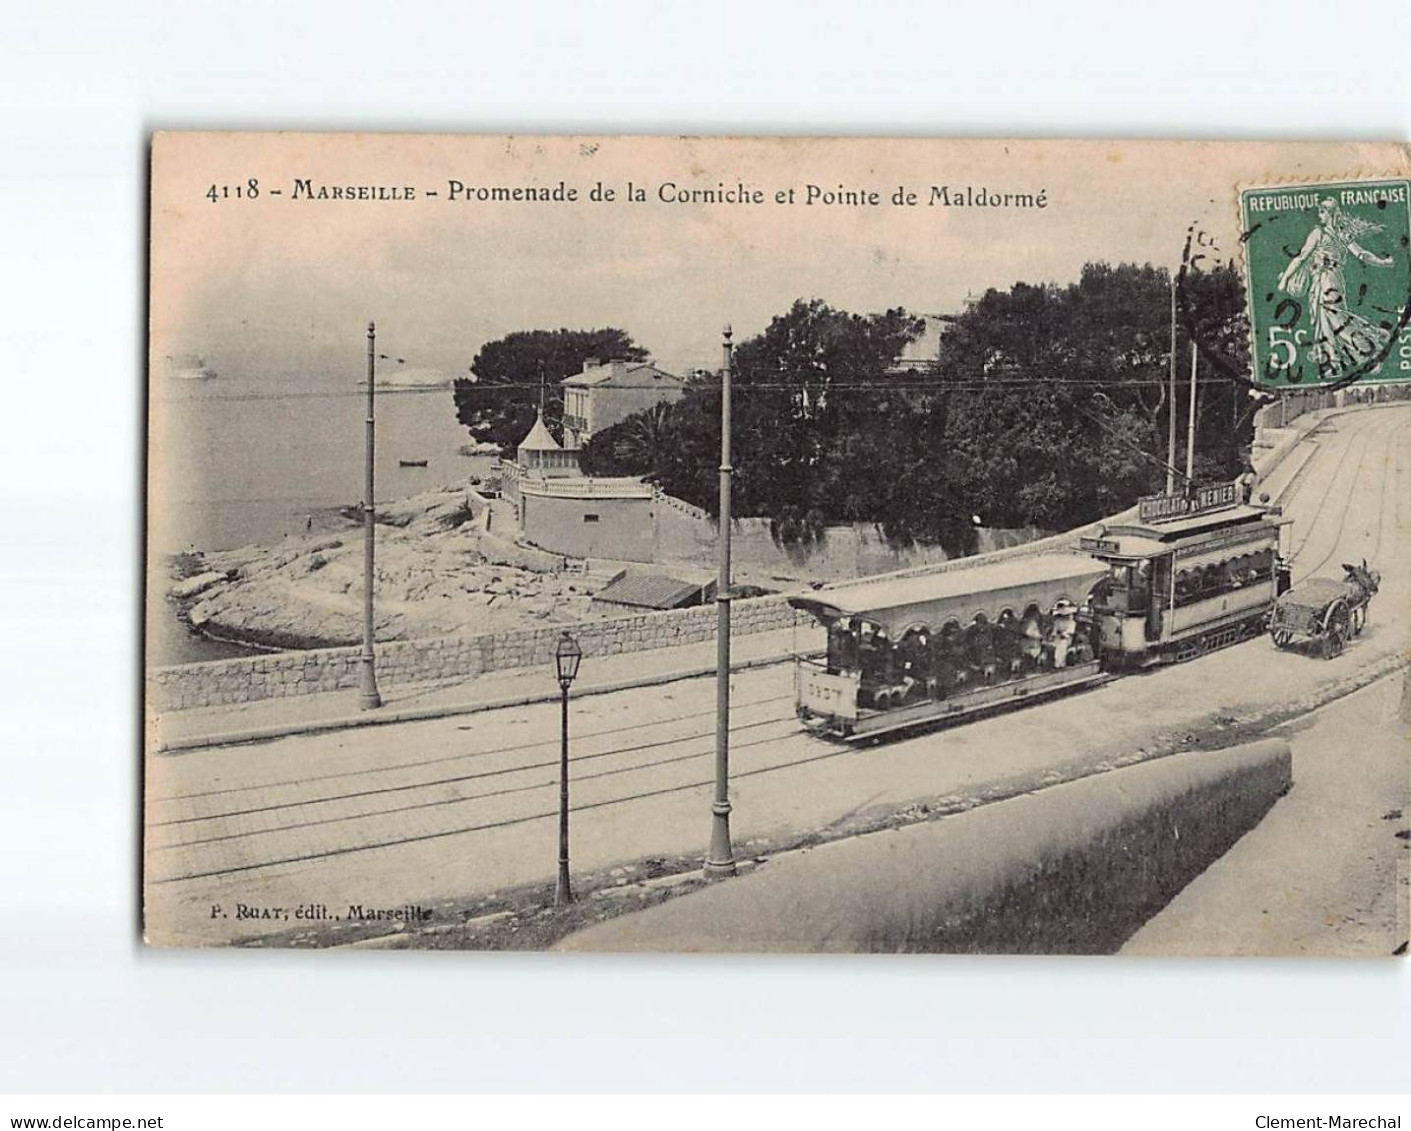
(1365, 582)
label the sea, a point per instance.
(240, 460)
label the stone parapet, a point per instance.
(446, 659)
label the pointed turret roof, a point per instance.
(539, 438)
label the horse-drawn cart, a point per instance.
(1324, 611)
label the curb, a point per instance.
(422, 714)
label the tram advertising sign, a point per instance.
(1329, 280)
(1211, 497)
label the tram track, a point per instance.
(1391, 489)
(1389, 439)
(460, 779)
(1322, 499)
(393, 767)
(551, 783)
(814, 755)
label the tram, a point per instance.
(1193, 572)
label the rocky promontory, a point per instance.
(438, 573)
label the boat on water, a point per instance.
(412, 462)
(188, 367)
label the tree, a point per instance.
(1061, 403)
(815, 376)
(638, 445)
(1046, 407)
(498, 402)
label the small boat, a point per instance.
(412, 462)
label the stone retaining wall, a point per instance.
(1073, 869)
(278, 675)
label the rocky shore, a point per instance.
(438, 573)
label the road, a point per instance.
(1327, 871)
(428, 811)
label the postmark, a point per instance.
(1328, 281)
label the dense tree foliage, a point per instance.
(1047, 406)
(498, 402)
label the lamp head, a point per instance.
(567, 655)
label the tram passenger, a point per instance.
(1008, 654)
(1247, 481)
(873, 655)
(1031, 648)
(1084, 646)
(1065, 626)
(954, 671)
(911, 653)
(983, 657)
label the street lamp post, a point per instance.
(567, 655)
(369, 697)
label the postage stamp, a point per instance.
(1328, 279)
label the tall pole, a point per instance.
(563, 893)
(1171, 403)
(367, 683)
(1190, 425)
(721, 859)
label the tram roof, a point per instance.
(935, 598)
(1195, 524)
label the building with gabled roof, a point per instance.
(608, 393)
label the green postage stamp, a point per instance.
(1329, 281)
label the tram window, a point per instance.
(1141, 587)
(1161, 581)
(1130, 587)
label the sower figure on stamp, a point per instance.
(1341, 339)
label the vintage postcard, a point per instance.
(764, 544)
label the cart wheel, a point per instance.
(1336, 630)
(1282, 637)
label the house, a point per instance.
(922, 354)
(608, 393)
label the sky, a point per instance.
(282, 289)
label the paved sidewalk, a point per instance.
(336, 710)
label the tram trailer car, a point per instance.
(904, 651)
(1193, 573)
